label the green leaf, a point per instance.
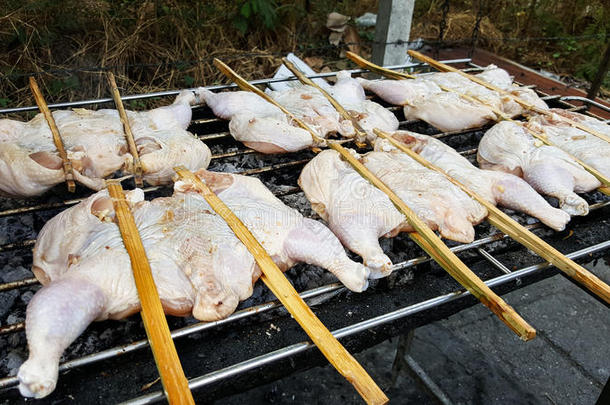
(556, 55)
(246, 10)
(240, 23)
(189, 80)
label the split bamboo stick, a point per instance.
(273, 277)
(131, 143)
(428, 240)
(173, 379)
(516, 231)
(360, 133)
(446, 68)
(542, 137)
(59, 144)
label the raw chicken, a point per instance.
(95, 143)
(265, 128)
(498, 188)
(199, 265)
(587, 147)
(359, 213)
(309, 105)
(510, 148)
(424, 99)
(349, 93)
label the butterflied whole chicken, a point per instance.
(424, 99)
(510, 148)
(359, 213)
(199, 266)
(496, 187)
(96, 146)
(265, 128)
(587, 147)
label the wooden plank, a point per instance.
(173, 379)
(131, 143)
(446, 68)
(59, 144)
(516, 231)
(430, 242)
(273, 277)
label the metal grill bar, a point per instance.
(297, 348)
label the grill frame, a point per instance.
(521, 277)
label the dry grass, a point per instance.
(143, 42)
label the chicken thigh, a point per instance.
(510, 148)
(199, 266)
(96, 146)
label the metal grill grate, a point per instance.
(285, 168)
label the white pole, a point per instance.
(393, 25)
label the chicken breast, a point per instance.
(199, 266)
(359, 213)
(498, 188)
(508, 147)
(96, 146)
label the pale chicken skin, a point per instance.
(200, 267)
(359, 213)
(424, 99)
(263, 127)
(510, 148)
(96, 146)
(496, 187)
(349, 93)
(587, 147)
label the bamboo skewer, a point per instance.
(498, 218)
(59, 144)
(131, 143)
(516, 231)
(173, 379)
(542, 137)
(443, 67)
(360, 133)
(431, 243)
(273, 277)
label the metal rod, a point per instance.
(497, 264)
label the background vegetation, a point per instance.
(166, 44)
